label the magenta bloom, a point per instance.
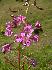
(18, 19)
(8, 33)
(23, 39)
(36, 38)
(31, 30)
(22, 34)
(6, 48)
(29, 35)
(37, 24)
(28, 29)
(18, 38)
(21, 18)
(28, 42)
(8, 25)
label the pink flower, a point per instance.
(36, 38)
(31, 30)
(8, 25)
(37, 24)
(17, 20)
(28, 30)
(27, 27)
(28, 43)
(21, 18)
(6, 48)
(8, 33)
(29, 35)
(18, 38)
(23, 39)
(22, 34)
(8, 29)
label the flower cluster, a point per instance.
(8, 31)
(17, 20)
(6, 48)
(37, 25)
(36, 38)
(26, 37)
